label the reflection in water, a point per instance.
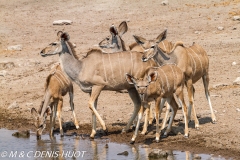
(74, 147)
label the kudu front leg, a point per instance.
(96, 90)
(72, 107)
(59, 108)
(137, 104)
(146, 120)
(191, 106)
(140, 114)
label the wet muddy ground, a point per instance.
(23, 73)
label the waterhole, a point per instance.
(81, 147)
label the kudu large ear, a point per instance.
(113, 30)
(59, 34)
(139, 40)
(34, 113)
(161, 36)
(130, 79)
(122, 28)
(152, 77)
(65, 36)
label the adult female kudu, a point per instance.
(98, 71)
(193, 61)
(57, 85)
(115, 42)
(161, 84)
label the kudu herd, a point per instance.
(150, 70)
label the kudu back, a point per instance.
(193, 61)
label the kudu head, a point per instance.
(142, 84)
(39, 121)
(55, 47)
(114, 41)
(150, 47)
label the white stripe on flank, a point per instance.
(173, 77)
(124, 69)
(132, 63)
(198, 59)
(162, 83)
(168, 86)
(59, 80)
(204, 55)
(194, 71)
(105, 74)
(111, 66)
(120, 66)
(64, 78)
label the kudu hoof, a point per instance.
(132, 142)
(106, 132)
(214, 122)
(62, 135)
(197, 128)
(38, 137)
(186, 136)
(164, 136)
(91, 138)
(157, 141)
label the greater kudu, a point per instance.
(98, 71)
(193, 61)
(114, 42)
(161, 84)
(57, 85)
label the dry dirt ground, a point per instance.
(29, 23)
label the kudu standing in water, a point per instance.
(99, 71)
(193, 61)
(57, 85)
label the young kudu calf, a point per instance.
(99, 71)
(160, 84)
(57, 85)
(193, 61)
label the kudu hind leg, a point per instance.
(137, 104)
(96, 90)
(172, 104)
(59, 108)
(72, 108)
(150, 115)
(181, 101)
(206, 83)
(54, 112)
(146, 119)
(191, 106)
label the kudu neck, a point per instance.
(163, 58)
(69, 63)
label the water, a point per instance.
(74, 147)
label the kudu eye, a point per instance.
(107, 39)
(152, 47)
(54, 44)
